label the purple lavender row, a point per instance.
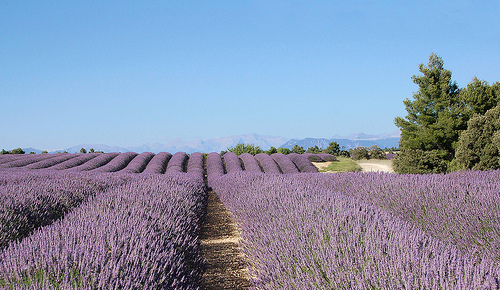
(327, 157)
(143, 235)
(51, 161)
(79, 160)
(302, 163)
(28, 159)
(177, 163)
(267, 163)
(117, 163)
(462, 208)
(158, 163)
(302, 236)
(313, 157)
(232, 162)
(4, 158)
(139, 163)
(32, 199)
(250, 163)
(196, 165)
(101, 160)
(215, 167)
(286, 165)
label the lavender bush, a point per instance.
(232, 162)
(267, 163)
(158, 164)
(139, 163)
(300, 234)
(177, 163)
(141, 235)
(250, 163)
(286, 165)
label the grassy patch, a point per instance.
(344, 164)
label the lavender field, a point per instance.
(132, 221)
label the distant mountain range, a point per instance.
(222, 143)
(351, 141)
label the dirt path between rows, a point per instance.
(226, 266)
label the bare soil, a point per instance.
(226, 265)
(376, 165)
(323, 165)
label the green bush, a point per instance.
(284, 151)
(359, 153)
(298, 149)
(241, 148)
(479, 146)
(417, 161)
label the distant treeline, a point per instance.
(374, 152)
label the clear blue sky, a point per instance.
(127, 73)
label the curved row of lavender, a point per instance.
(33, 199)
(158, 163)
(311, 231)
(51, 161)
(139, 235)
(24, 160)
(215, 167)
(139, 163)
(117, 163)
(73, 162)
(94, 163)
(267, 163)
(10, 157)
(196, 165)
(231, 162)
(285, 164)
(303, 163)
(177, 163)
(250, 163)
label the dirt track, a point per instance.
(226, 266)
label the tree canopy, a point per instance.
(241, 148)
(435, 115)
(479, 145)
(431, 133)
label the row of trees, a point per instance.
(448, 128)
(333, 148)
(13, 151)
(91, 150)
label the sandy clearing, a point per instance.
(323, 165)
(375, 167)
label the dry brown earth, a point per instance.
(226, 266)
